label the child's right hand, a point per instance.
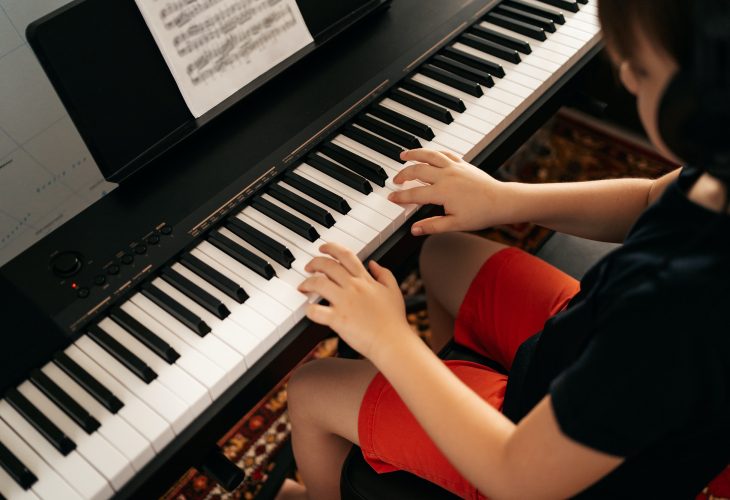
(472, 199)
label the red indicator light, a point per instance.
(74, 286)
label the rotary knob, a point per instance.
(66, 264)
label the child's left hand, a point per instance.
(365, 310)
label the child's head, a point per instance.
(648, 41)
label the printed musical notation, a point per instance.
(47, 175)
(215, 47)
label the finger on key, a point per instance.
(322, 286)
(434, 225)
(345, 256)
(319, 314)
(430, 156)
(451, 156)
(329, 267)
(418, 171)
(424, 195)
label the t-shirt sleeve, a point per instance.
(632, 386)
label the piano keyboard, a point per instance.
(83, 424)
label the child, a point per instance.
(626, 390)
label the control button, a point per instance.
(99, 279)
(112, 269)
(140, 249)
(127, 258)
(166, 230)
(66, 264)
(153, 239)
(82, 293)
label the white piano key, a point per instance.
(569, 30)
(97, 452)
(359, 211)
(11, 490)
(566, 40)
(290, 276)
(284, 234)
(300, 256)
(328, 234)
(140, 416)
(72, 468)
(443, 136)
(232, 363)
(262, 293)
(549, 44)
(485, 108)
(260, 302)
(242, 314)
(350, 225)
(281, 292)
(204, 369)
(114, 428)
(178, 381)
(50, 485)
(390, 167)
(234, 335)
(373, 201)
(154, 394)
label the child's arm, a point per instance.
(531, 460)
(599, 210)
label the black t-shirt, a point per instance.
(638, 365)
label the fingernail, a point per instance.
(391, 196)
(403, 155)
(417, 231)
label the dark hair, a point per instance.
(668, 24)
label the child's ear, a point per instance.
(628, 77)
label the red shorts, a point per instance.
(509, 300)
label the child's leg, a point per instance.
(449, 263)
(324, 402)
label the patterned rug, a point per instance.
(568, 148)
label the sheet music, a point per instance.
(47, 174)
(215, 47)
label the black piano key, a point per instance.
(195, 293)
(526, 17)
(452, 80)
(40, 422)
(435, 95)
(16, 469)
(215, 278)
(269, 246)
(361, 166)
(517, 26)
(242, 255)
(145, 336)
(286, 219)
(122, 354)
(322, 195)
(583, 1)
(463, 70)
(70, 407)
(502, 39)
(413, 126)
(489, 47)
(340, 173)
(301, 205)
(474, 61)
(416, 103)
(408, 141)
(570, 5)
(555, 16)
(392, 151)
(103, 395)
(174, 309)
